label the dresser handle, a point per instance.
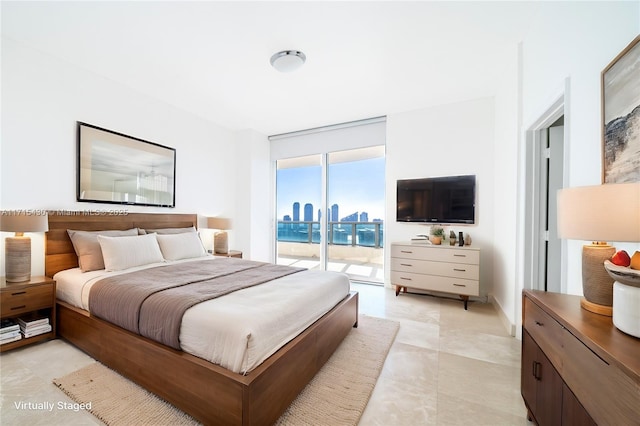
(406, 279)
(406, 264)
(18, 307)
(459, 255)
(539, 323)
(459, 270)
(406, 251)
(459, 285)
(18, 293)
(536, 370)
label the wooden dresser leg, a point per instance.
(465, 299)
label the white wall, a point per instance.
(254, 231)
(455, 139)
(43, 97)
(576, 41)
(507, 120)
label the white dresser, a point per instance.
(445, 268)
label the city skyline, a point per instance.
(333, 212)
(356, 186)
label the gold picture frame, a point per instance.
(620, 84)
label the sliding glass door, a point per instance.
(330, 210)
(298, 200)
(355, 182)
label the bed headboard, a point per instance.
(59, 253)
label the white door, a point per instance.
(555, 173)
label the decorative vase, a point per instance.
(435, 240)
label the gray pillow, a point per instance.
(170, 230)
(86, 245)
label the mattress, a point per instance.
(240, 330)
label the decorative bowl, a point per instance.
(623, 274)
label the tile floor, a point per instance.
(447, 366)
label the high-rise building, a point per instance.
(364, 217)
(296, 212)
(319, 215)
(308, 212)
(334, 213)
(353, 217)
(286, 218)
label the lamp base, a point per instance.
(220, 243)
(17, 262)
(597, 285)
(607, 311)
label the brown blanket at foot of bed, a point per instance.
(151, 302)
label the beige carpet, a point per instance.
(337, 395)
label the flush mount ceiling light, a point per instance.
(288, 60)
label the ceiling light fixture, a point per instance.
(288, 60)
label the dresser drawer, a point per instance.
(19, 301)
(446, 269)
(546, 331)
(436, 283)
(611, 396)
(438, 254)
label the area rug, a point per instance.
(337, 395)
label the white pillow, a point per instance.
(126, 252)
(181, 246)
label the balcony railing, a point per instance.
(365, 234)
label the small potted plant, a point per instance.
(437, 234)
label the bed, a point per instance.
(207, 391)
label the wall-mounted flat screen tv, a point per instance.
(444, 200)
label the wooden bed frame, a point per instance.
(206, 391)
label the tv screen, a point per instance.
(445, 200)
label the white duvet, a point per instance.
(240, 330)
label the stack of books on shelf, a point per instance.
(32, 326)
(9, 331)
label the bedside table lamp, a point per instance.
(18, 248)
(599, 213)
(220, 239)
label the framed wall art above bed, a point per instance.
(119, 169)
(621, 117)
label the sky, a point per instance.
(355, 186)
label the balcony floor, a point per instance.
(357, 271)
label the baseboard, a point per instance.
(508, 325)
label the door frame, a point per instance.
(535, 135)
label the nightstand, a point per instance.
(23, 299)
(232, 253)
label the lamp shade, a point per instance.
(218, 223)
(608, 212)
(23, 222)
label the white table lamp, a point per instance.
(220, 238)
(600, 213)
(18, 248)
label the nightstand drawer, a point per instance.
(21, 300)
